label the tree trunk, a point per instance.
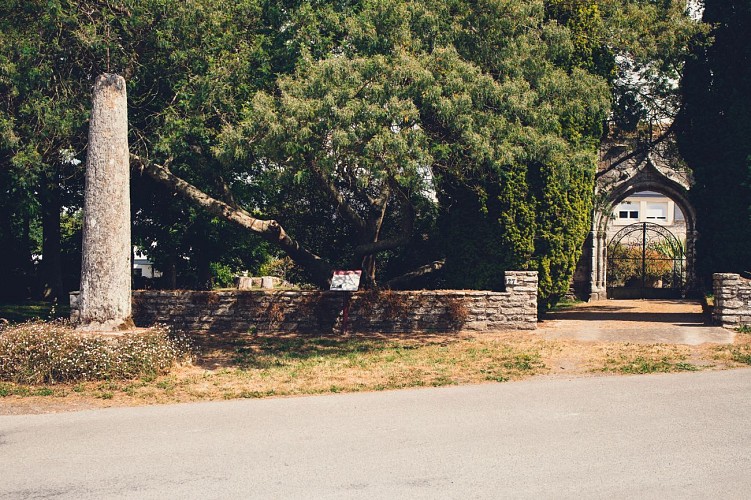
(105, 300)
(204, 278)
(52, 272)
(170, 274)
(29, 284)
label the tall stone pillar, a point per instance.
(105, 299)
(598, 290)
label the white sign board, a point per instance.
(346, 281)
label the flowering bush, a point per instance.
(40, 352)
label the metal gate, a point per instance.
(645, 261)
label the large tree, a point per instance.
(42, 111)
(715, 137)
(416, 106)
(393, 135)
(50, 52)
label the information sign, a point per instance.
(346, 281)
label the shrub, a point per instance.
(45, 353)
(223, 274)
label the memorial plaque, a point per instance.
(511, 280)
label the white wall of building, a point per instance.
(650, 207)
(142, 266)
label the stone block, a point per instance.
(726, 276)
(732, 304)
(726, 319)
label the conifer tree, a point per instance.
(715, 137)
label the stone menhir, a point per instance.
(105, 298)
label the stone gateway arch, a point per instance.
(633, 173)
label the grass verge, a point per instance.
(261, 366)
(20, 312)
(629, 364)
(258, 366)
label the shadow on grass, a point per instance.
(265, 351)
(20, 312)
(619, 312)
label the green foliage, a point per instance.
(639, 46)
(462, 102)
(632, 365)
(185, 243)
(625, 265)
(741, 354)
(198, 62)
(589, 32)
(43, 94)
(223, 274)
(285, 269)
(382, 134)
(715, 138)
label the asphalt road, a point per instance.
(661, 436)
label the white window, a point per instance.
(657, 211)
(627, 211)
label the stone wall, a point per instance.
(732, 300)
(316, 312)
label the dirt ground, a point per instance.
(638, 321)
(586, 340)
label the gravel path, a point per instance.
(636, 321)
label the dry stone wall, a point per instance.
(317, 312)
(732, 300)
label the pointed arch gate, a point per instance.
(646, 261)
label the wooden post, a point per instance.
(105, 300)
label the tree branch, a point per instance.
(337, 197)
(407, 223)
(227, 193)
(270, 230)
(404, 281)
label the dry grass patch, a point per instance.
(262, 366)
(256, 366)
(284, 366)
(739, 353)
(628, 358)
